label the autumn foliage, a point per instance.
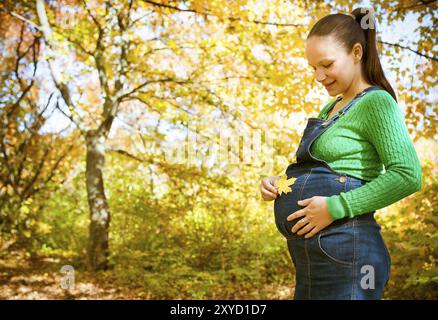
(110, 113)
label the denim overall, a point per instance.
(346, 260)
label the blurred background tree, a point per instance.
(138, 79)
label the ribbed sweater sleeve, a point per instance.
(385, 128)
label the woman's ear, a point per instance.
(357, 52)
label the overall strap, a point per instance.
(350, 104)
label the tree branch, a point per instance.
(406, 48)
(16, 15)
(422, 3)
(144, 84)
(228, 18)
(62, 87)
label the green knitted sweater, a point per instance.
(370, 142)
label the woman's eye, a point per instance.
(329, 65)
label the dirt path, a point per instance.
(23, 278)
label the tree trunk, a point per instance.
(98, 247)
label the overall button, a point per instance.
(342, 179)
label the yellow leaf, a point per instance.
(283, 184)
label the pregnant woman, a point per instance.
(353, 159)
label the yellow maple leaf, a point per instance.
(295, 159)
(283, 184)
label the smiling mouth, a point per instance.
(329, 85)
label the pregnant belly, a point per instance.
(310, 181)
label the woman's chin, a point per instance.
(332, 92)
(332, 89)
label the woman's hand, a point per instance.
(268, 189)
(316, 216)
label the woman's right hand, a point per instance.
(268, 189)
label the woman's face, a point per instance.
(333, 66)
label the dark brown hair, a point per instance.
(348, 31)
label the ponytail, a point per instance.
(371, 68)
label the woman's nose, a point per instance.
(319, 75)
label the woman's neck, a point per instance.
(354, 89)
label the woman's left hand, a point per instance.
(315, 216)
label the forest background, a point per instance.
(116, 180)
